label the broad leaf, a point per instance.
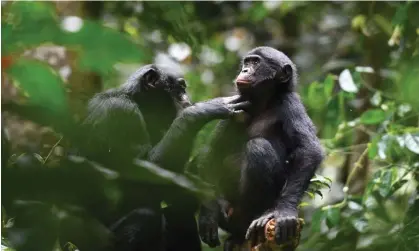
(332, 217)
(328, 84)
(21, 28)
(101, 47)
(43, 86)
(374, 116)
(316, 221)
(412, 142)
(150, 173)
(386, 182)
(360, 224)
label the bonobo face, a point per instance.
(264, 67)
(161, 81)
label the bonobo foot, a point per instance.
(287, 227)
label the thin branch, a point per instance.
(52, 149)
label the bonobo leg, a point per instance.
(262, 178)
(141, 229)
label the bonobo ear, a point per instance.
(150, 77)
(286, 73)
(181, 82)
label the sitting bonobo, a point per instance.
(150, 116)
(262, 166)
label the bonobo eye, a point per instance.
(181, 82)
(252, 59)
(151, 76)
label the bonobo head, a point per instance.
(160, 93)
(266, 72)
(159, 81)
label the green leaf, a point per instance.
(22, 26)
(383, 23)
(319, 193)
(321, 181)
(373, 116)
(401, 15)
(397, 185)
(310, 194)
(303, 204)
(149, 172)
(257, 12)
(101, 47)
(355, 206)
(360, 224)
(43, 86)
(332, 217)
(386, 182)
(316, 98)
(328, 84)
(412, 142)
(316, 221)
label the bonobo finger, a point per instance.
(264, 222)
(232, 99)
(278, 232)
(250, 229)
(208, 236)
(292, 228)
(284, 228)
(254, 234)
(214, 237)
(261, 234)
(235, 99)
(240, 106)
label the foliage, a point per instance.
(362, 97)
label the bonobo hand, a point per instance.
(217, 108)
(285, 229)
(208, 225)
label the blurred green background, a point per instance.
(359, 80)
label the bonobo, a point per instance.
(261, 167)
(145, 118)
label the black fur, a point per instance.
(125, 123)
(145, 118)
(262, 166)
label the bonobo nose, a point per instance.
(245, 70)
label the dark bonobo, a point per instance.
(261, 167)
(150, 116)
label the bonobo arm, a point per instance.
(208, 162)
(306, 155)
(173, 151)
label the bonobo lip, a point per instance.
(243, 82)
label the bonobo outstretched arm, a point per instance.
(173, 151)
